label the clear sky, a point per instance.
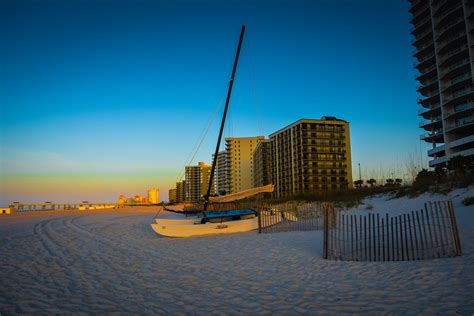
(101, 98)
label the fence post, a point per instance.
(457, 240)
(396, 237)
(435, 231)
(259, 214)
(325, 238)
(378, 238)
(440, 229)
(344, 236)
(352, 236)
(365, 238)
(370, 241)
(383, 241)
(406, 236)
(444, 212)
(412, 231)
(429, 231)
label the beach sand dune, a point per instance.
(112, 261)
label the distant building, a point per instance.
(197, 182)
(122, 200)
(137, 199)
(444, 33)
(222, 174)
(262, 161)
(180, 191)
(311, 156)
(240, 162)
(154, 196)
(172, 195)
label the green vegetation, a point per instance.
(342, 198)
(459, 173)
(468, 201)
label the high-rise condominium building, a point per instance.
(310, 156)
(240, 162)
(444, 39)
(197, 182)
(222, 174)
(180, 191)
(262, 163)
(154, 196)
(172, 195)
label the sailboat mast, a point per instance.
(229, 92)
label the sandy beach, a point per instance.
(111, 261)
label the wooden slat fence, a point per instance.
(431, 232)
(292, 217)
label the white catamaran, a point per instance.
(221, 222)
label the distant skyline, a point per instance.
(101, 98)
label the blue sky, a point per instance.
(113, 95)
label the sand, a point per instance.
(111, 261)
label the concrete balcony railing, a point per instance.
(421, 22)
(421, 36)
(424, 86)
(445, 14)
(459, 95)
(434, 134)
(436, 150)
(426, 58)
(469, 106)
(437, 161)
(450, 40)
(457, 65)
(469, 121)
(425, 123)
(448, 26)
(428, 96)
(461, 142)
(430, 108)
(452, 52)
(425, 71)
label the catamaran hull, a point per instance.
(182, 231)
(186, 221)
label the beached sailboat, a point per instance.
(222, 222)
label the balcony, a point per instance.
(459, 96)
(430, 111)
(436, 150)
(460, 110)
(435, 136)
(423, 48)
(424, 88)
(430, 97)
(463, 124)
(438, 161)
(419, 24)
(429, 125)
(457, 68)
(461, 142)
(443, 18)
(457, 83)
(335, 137)
(453, 54)
(449, 26)
(451, 41)
(422, 37)
(417, 7)
(467, 152)
(426, 73)
(425, 61)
